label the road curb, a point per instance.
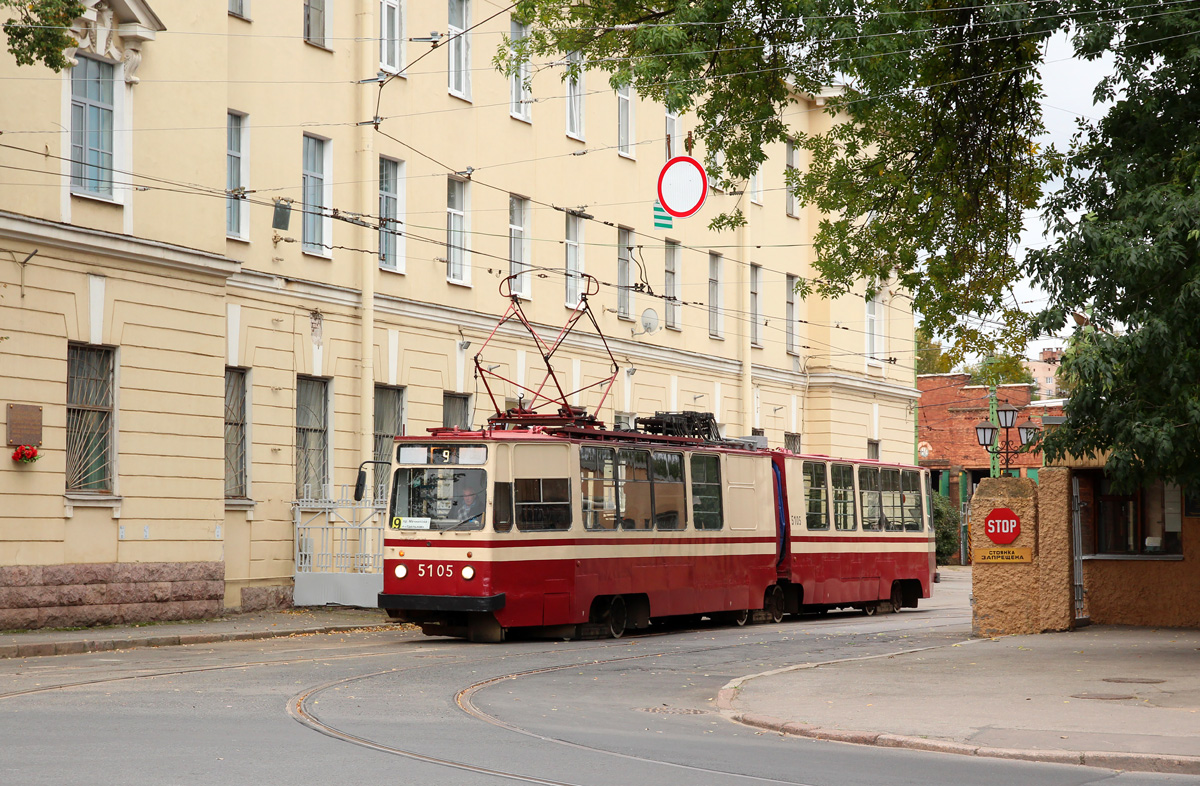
(80, 646)
(1132, 762)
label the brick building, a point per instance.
(1045, 372)
(946, 441)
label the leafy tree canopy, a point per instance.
(931, 358)
(37, 33)
(1001, 370)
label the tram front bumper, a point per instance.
(441, 602)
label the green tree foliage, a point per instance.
(946, 528)
(1128, 222)
(38, 31)
(1003, 370)
(931, 359)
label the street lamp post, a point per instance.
(986, 431)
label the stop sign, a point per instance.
(1002, 526)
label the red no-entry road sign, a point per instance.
(682, 186)
(1002, 526)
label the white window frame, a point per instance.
(791, 323)
(391, 36)
(111, 407)
(625, 292)
(239, 161)
(876, 333)
(318, 246)
(756, 305)
(573, 259)
(326, 23)
(790, 203)
(458, 220)
(518, 245)
(673, 132)
(77, 152)
(626, 122)
(575, 103)
(756, 186)
(716, 296)
(520, 100)
(240, 9)
(671, 288)
(459, 50)
(391, 206)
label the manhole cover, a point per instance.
(673, 710)
(1104, 696)
(1133, 680)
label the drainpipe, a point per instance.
(745, 244)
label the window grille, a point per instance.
(389, 424)
(235, 434)
(312, 437)
(791, 442)
(92, 127)
(89, 418)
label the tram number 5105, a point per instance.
(434, 570)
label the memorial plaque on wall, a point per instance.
(24, 425)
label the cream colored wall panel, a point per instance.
(27, 553)
(90, 536)
(135, 550)
(16, 526)
(272, 550)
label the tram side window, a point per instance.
(502, 507)
(635, 500)
(542, 504)
(845, 516)
(670, 506)
(816, 495)
(706, 491)
(910, 487)
(890, 486)
(597, 472)
(870, 505)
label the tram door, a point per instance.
(781, 515)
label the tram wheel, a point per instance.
(618, 615)
(740, 617)
(773, 603)
(897, 596)
(870, 609)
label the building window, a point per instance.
(518, 245)
(791, 442)
(520, 101)
(790, 316)
(716, 327)
(758, 432)
(235, 171)
(575, 96)
(390, 235)
(875, 328)
(92, 127)
(1147, 522)
(389, 424)
(873, 449)
(625, 120)
(674, 143)
(236, 486)
(574, 259)
(89, 418)
(460, 48)
(313, 230)
(240, 8)
(624, 421)
(314, 22)
(391, 35)
(790, 180)
(624, 273)
(671, 284)
(756, 305)
(312, 437)
(456, 231)
(756, 186)
(456, 410)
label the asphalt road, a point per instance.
(394, 707)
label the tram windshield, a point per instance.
(442, 498)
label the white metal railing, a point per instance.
(338, 547)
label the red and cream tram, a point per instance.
(562, 527)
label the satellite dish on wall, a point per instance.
(649, 323)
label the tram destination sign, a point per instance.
(1002, 526)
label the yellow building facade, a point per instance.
(199, 377)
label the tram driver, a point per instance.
(470, 503)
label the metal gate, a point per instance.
(338, 549)
(1081, 615)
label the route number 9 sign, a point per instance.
(1002, 526)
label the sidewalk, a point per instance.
(1113, 697)
(256, 625)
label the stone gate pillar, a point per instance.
(1023, 597)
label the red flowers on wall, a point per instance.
(25, 454)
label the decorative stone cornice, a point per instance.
(115, 30)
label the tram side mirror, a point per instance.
(360, 485)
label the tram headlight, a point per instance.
(401, 571)
(468, 573)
